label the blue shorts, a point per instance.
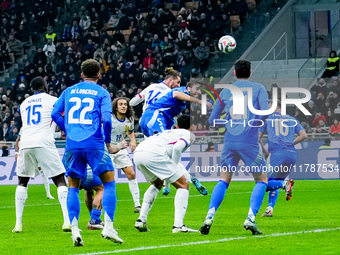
(251, 154)
(281, 162)
(76, 162)
(90, 180)
(154, 122)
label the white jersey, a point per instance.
(163, 143)
(150, 94)
(120, 128)
(38, 127)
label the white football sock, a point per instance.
(166, 184)
(108, 222)
(134, 189)
(181, 204)
(62, 197)
(46, 183)
(20, 199)
(149, 197)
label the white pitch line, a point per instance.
(125, 200)
(211, 241)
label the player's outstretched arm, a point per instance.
(137, 99)
(177, 150)
(302, 135)
(184, 97)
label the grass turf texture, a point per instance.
(315, 205)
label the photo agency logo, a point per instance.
(242, 101)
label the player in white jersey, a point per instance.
(122, 126)
(158, 158)
(156, 90)
(37, 148)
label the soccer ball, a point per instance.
(227, 44)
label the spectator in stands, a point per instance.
(85, 22)
(39, 59)
(49, 48)
(337, 111)
(317, 118)
(51, 35)
(65, 34)
(335, 128)
(4, 131)
(15, 46)
(183, 31)
(335, 87)
(202, 58)
(333, 100)
(5, 151)
(24, 36)
(321, 127)
(319, 87)
(320, 101)
(75, 29)
(332, 65)
(13, 135)
(148, 60)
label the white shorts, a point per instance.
(155, 166)
(121, 159)
(31, 158)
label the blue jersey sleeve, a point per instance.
(106, 103)
(263, 101)
(298, 127)
(57, 111)
(107, 126)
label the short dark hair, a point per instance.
(242, 68)
(328, 141)
(38, 83)
(90, 68)
(183, 121)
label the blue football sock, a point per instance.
(109, 199)
(272, 197)
(73, 204)
(256, 199)
(217, 197)
(274, 184)
(95, 214)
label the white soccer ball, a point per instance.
(227, 44)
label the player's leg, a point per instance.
(149, 198)
(256, 200)
(216, 199)
(181, 204)
(133, 186)
(20, 200)
(96, 207)
(73, 206)
(26, 168)
(62, 191)
(46, 184)
(52, 166)
(102, 166)
(109, 203)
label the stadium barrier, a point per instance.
(312, 163)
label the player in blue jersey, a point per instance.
(240, 142)
(86, 105)
(160, 116)
(281, 130)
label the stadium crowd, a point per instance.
(133, 41)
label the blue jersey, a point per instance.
(84, 105)
(169, 106)
(281, 130)
(240, 128)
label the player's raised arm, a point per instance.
(217, 108)
(57, 111)
(137, 99)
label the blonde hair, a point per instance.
(170, 72)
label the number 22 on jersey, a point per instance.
(84, 105)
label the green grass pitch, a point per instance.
(315, 206)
